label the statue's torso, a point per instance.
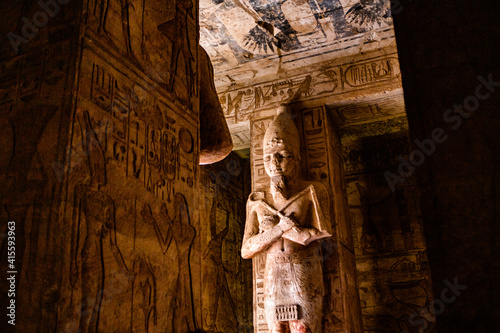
(293, 273)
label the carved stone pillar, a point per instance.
(321, 162)
(99, 124)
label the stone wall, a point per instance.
(99, 117)
(393, 272)
(37, 105)
(444, 48)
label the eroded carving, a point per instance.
(93, 232)
(393, 274)
(216, 272)
(183, 234)
(177, 30)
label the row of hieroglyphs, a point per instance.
(143, 132)
(241, 102)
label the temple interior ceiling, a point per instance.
(248, 37)
(334, 53)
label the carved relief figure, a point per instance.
(149, 47)
(144, 300)
(284, 221)
(217, 272)
(25, 179)
(93, 232)
(177, 30)
(176, 230)
(183, 234)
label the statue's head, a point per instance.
(281, 146)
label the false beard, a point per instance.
(280, 187)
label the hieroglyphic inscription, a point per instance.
(144, 135)
(375, 154)
(226, 285)
(159, 37)
(370, 72)
(331, 80)
(257, 131)
(315, 143)
(242, 102)
(259, 265)
(90, 106)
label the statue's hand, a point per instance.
(268, 222)
(286, 223)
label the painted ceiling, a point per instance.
(340, 54)
(248, 36)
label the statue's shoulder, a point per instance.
(319, 186)
(320, 194)
(316, 187)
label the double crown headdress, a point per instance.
(282, 134)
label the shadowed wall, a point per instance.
(444, 46)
